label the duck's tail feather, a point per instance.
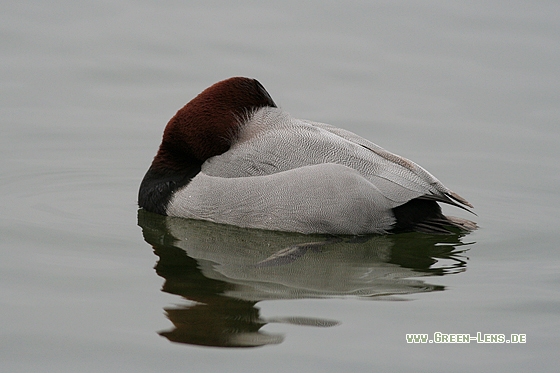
(450, 198)
(424, 215)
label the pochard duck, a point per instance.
(232, 156)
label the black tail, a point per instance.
(422, 215)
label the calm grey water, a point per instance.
(88, 283)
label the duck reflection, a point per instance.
(225, 271)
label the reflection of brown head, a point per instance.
(223, 323)
(214, 320)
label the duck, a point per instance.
(232, 156)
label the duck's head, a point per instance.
(206, 125)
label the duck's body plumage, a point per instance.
(282, 173)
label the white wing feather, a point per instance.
(272, 141)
